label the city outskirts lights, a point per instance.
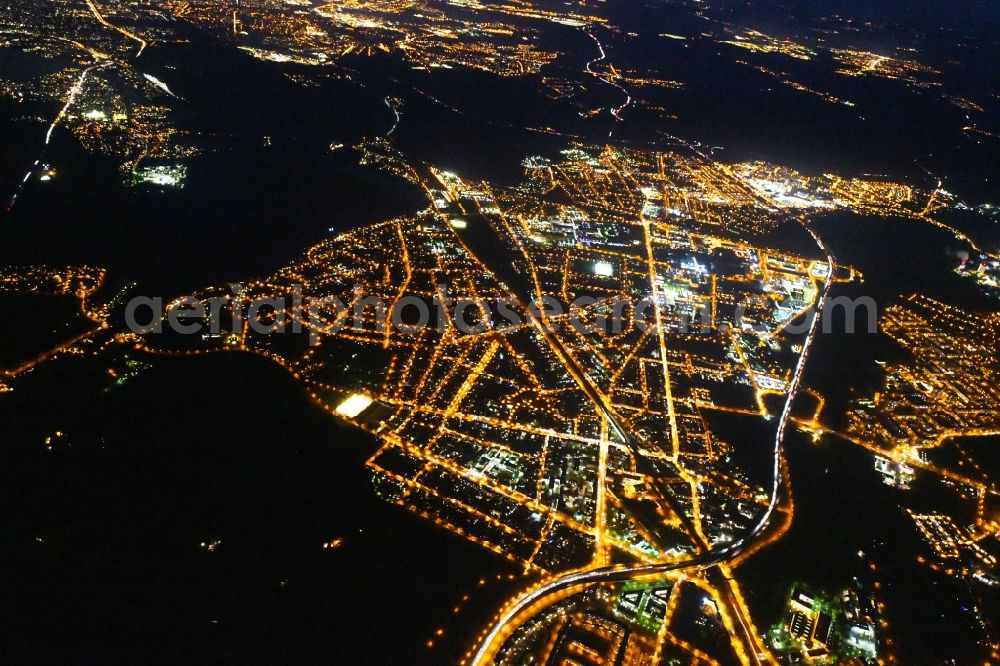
(353, 405)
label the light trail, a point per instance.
(161, 85)
(492, 122)
(112, 26)
(395, 110)
(616, 111)
(46, 355)
(661, 339)
(73, 92)
(600, 517)
(796, 379)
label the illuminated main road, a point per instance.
(107, 24)
(616, 111)
(73, 92)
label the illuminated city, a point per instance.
(527, 332)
